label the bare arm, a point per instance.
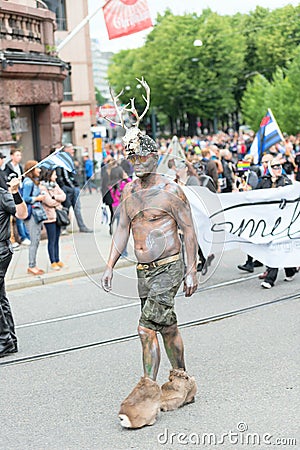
(119, 242)
(183, 216)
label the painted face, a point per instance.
(143, 164)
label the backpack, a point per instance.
(208, 182)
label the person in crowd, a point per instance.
(117, 180)
(274, 179)
(14, 168)
(211, 168)
(264, 164)
(89, 172)
(11, 203)
(118, 183)
(127, 167)
(297, 166)
(33, 197)
(171, 172)
(154, 207)
(68, 183)
(187, 175)
(227, 178)
(288, 161)
(4, 184)
(106, 167)
(253, 167)
(53, 197)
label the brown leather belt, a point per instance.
(160, 262)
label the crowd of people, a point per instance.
(46, 192)
(220, 162)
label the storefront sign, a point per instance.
(106, 110)
(72, 113)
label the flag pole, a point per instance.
(79, 27)
(51, 154)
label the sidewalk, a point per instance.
(82, 253)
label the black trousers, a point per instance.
(272, 274)
(7, 326)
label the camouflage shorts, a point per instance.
(157, 289)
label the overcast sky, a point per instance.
(98, 29)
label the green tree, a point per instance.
(100, 99)
(256, 100)
(217, 79)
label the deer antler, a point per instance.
(119, 110)
(133, 110)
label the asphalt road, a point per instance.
(246, 366)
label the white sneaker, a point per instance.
(26, 242)
(15, 245)
(289, 278)
(266, 285)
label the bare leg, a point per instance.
(151, 351)
(174, 346)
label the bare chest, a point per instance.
(148, 206)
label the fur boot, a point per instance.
(142, 405)
(179, 391)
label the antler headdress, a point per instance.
(134, 141)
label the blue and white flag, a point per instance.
(268, 134)
(58, 159)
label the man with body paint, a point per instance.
(154, 208)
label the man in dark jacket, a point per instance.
(210, 166)
(11, 203)
(67, 181)
(275, 179)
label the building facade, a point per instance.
(78, 106)
(101, 61)
(31, 79)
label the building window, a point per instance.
(68, 96)
(67, 135)
(59, 8)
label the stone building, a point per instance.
(31, 78)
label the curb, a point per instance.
(41, 280)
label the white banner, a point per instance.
(263, 223)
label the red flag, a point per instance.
(123, 17)
(265, 121)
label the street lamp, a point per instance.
(198, 43)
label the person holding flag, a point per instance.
(62, 160)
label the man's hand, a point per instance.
(14, 184)
(107, 279)
(190, 283)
